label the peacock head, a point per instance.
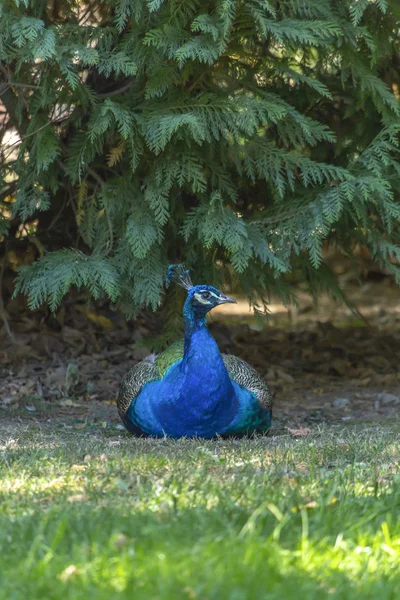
(205, 297)
(201, 298)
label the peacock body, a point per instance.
(191, 389)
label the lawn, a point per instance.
(89, 515)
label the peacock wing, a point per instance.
(244, 375)
(169, 357)
(151, 368)
(134, 380)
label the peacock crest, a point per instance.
(180, 275)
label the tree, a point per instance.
(238, 135)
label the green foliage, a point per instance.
(242, 136)
(49, 278)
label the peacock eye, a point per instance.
(205, 295)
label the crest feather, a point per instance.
(180, 275)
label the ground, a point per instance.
(309, 511)
(97, 514)
(323, 365)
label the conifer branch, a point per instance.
(231, 133)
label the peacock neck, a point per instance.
(193, 323)
(197, 397)
(202, 360)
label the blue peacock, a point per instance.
(191, 389)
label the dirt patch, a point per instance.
(322, 366)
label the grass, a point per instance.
(87, 516)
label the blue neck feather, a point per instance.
(197, 396)
(192, 321)
(207, 380)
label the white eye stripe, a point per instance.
(201, 300)
(208, 291)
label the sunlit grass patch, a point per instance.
(84, 516)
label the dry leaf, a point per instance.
(115, 154)
(69, 402)
(70, 571)
(101, 320)
(301, 432)
(78, 498)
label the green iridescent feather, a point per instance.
(170, 356)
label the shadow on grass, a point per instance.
(117, 551)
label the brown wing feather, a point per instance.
(243, 374)
(133, 382)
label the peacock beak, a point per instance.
(226, 299)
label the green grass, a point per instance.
(87, 516)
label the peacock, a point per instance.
(191, 389)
